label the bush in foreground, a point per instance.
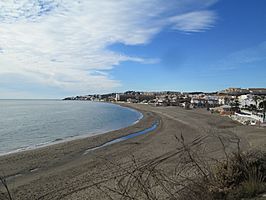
(186, 173)
(239, 175)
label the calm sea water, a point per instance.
(26, 124)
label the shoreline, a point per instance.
(73, 137)
(81, 143)
(63, 171)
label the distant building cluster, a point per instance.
(244, 105)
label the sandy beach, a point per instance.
(63, 171)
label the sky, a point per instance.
(58, 48)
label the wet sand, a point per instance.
(63, 171)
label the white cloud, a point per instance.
(62, 43)
(197, 21)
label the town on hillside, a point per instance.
(248, 106)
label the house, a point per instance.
(223, 110)
(186, 105)
(212, 101)
(246, 100)
(198, 102)
(117, 97)
(162, 102)
(249, 118)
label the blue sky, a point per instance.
(56, 48)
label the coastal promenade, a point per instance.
(69, 171)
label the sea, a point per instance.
(29, 124)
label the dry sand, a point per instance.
(62, 171)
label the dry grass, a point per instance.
(195, 177)
(5, 194)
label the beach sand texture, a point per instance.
(63, 171)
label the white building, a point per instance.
(246, 100)
(247, 117)
(117, 97)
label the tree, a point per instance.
(256, 99)
(252, 107)
(263, 106)
(235, 105)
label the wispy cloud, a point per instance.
(242, 57)
(62, 43)
(197, 21)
